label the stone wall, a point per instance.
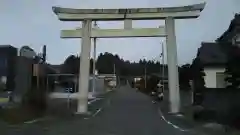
(223, 104)
(100, 86)
(23, 78)
(63, 106)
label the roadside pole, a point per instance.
(163, 72)
(145, 76)
(94, 61)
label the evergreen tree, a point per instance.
(233, 67)
(197, 74)
(184, 76)
(106, 61)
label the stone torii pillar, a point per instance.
(84, 66)
(172, 65)
(127, 15)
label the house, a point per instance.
(56, 68)
(213, 56)
(162, 77)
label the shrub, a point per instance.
(18, 114)
(232, 67)
(198, 74)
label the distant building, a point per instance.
(106, 75)
(56, 68)
(8, 55)
(162, 76)
(28, 52)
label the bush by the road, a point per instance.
(33, 106)
(151, 84)
(18, 115)
(220, 105)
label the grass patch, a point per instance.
(18, 115)
(4, 100)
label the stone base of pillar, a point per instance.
(175, 106)
(175, 113)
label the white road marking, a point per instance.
(109, 102)
(170, 123)
(33, 121)
(96, 99)
(99, 110)
(179, 115)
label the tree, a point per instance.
(105, 65)
(71, 65)
(152, 83)
(197, 72)
(232, 67)
(197, 75)
(184, 76)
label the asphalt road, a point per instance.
(131, 113)
(125, 112)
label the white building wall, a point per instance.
(211, 77)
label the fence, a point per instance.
(23, 78)
(62, 103)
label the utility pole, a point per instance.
(145, 72)
(163, 72)
(145, 76)
(114, 72)
(114, 69)
(94, 60)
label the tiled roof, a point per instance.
(212, 54)
(5, 46)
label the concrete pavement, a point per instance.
(124, 112)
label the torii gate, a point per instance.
(127, 15)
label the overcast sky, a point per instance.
(32, 22)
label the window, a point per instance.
(236, 40)
(233, 41)
(3, 62)
(220, 80)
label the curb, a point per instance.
(201, 129)
(105, 102)
(170, 123)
